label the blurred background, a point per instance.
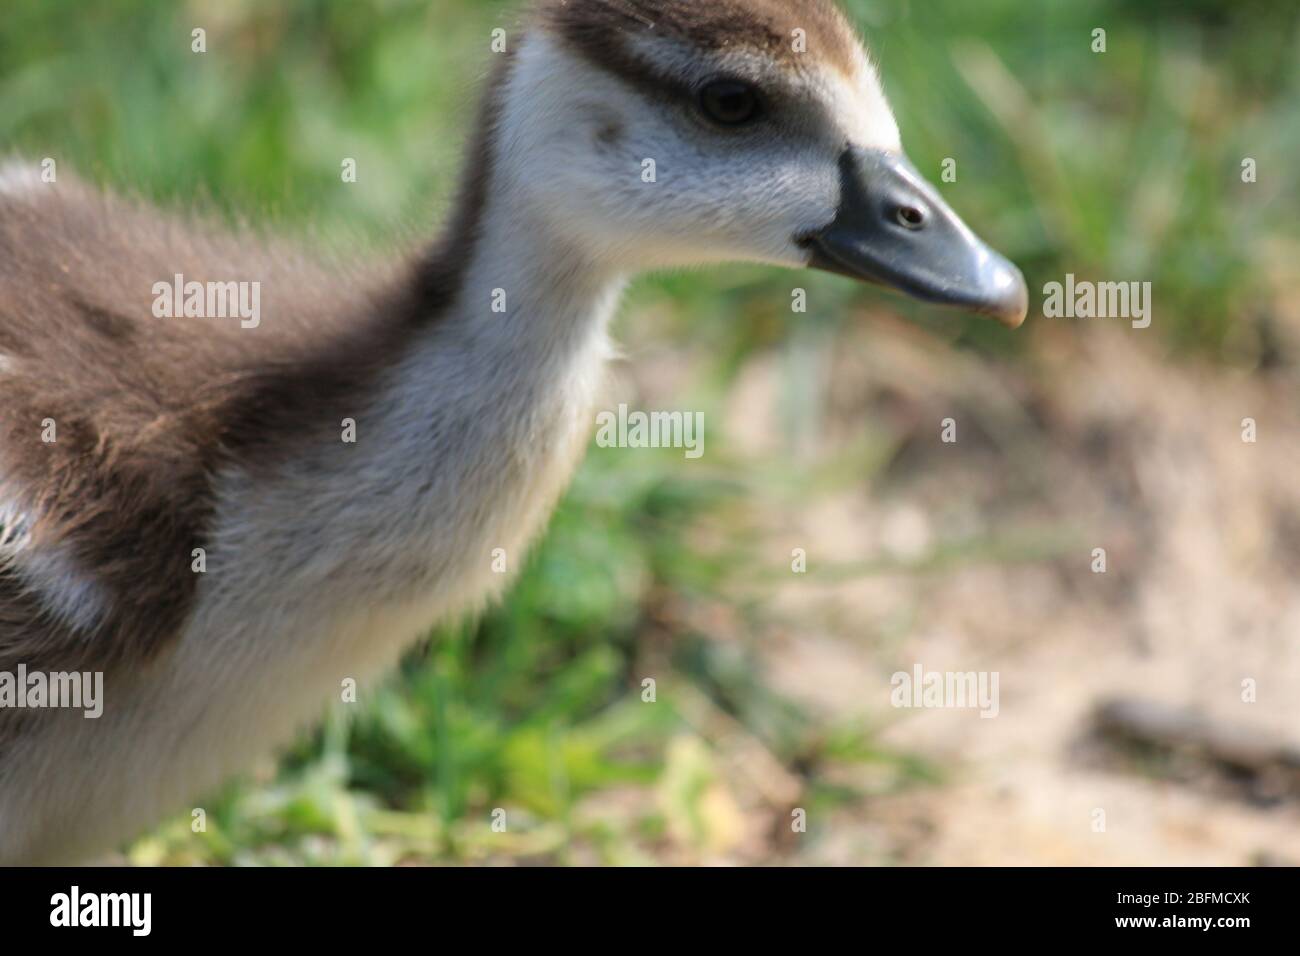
(1164, 693)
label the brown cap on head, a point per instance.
(601, 29)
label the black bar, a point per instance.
(443, 905)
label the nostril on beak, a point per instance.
(909, 217)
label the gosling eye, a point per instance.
(730, 102)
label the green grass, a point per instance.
(1123, 164)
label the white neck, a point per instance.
(469, 441)
(530, 300)
(533, 309)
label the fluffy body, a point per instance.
(325, 560)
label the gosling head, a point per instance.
(669, 133)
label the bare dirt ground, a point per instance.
(980, 555)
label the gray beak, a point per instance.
(892, 228)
